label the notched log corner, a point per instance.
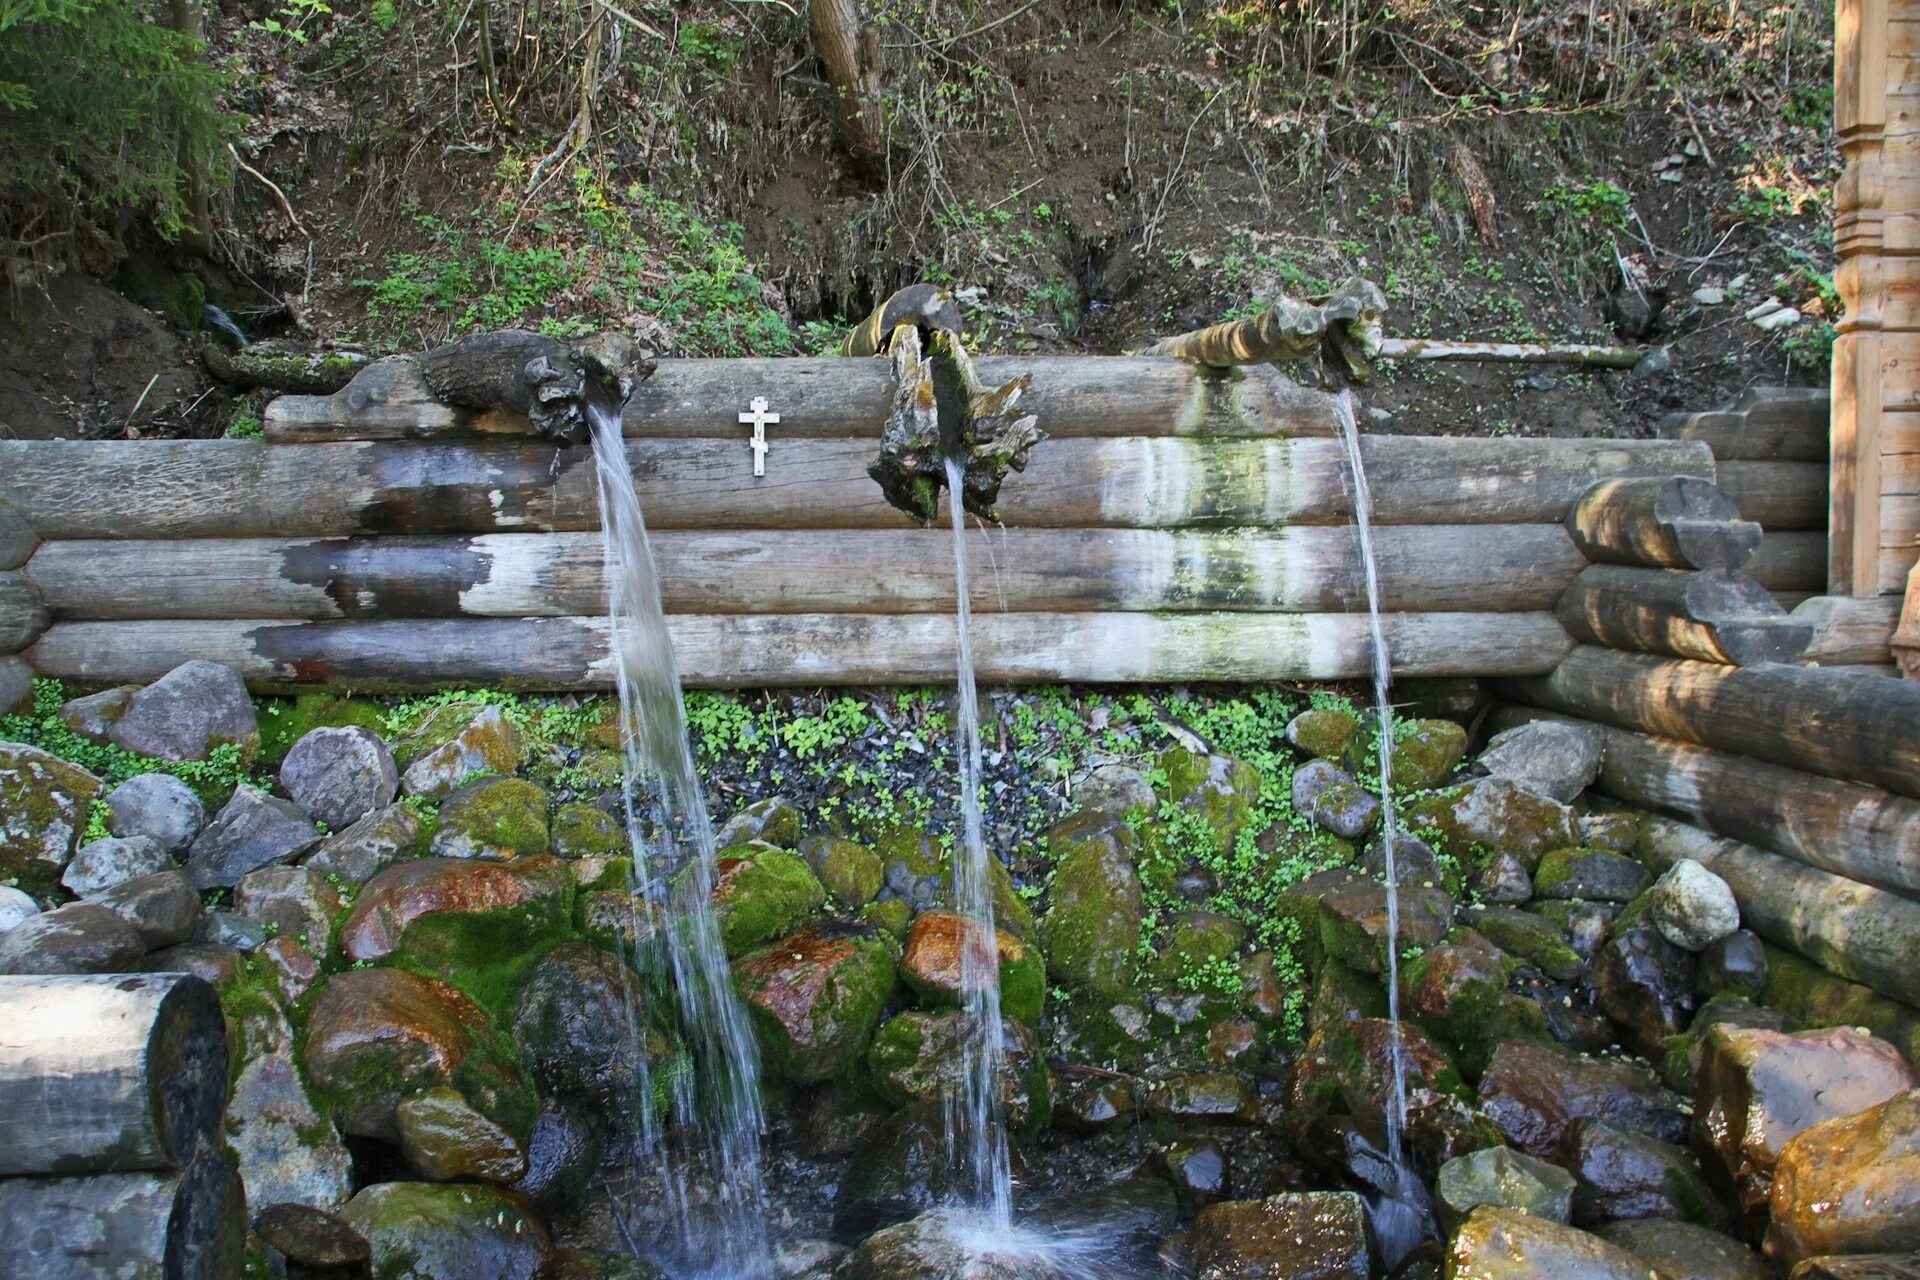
(533, 376)
(1345, 325)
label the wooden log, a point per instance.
(17, 538)
(1789, 562)
(1854, 930)
(143, 1088)
(1713, 616)
(238, 488)
(23, 615)
(1304, 569)
(850, 54)
(1777, 495)
(1860, 832)
(1589, 354)
(753, 651)
(1802, 718)
(1786, 424)
(1848, 631)
(829, 397)
(1675, 522)
(178, 1225)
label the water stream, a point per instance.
(709, 1145)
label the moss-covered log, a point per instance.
(1676, 522)
(1712, 616)
(307, 373)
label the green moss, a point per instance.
(1218, 790)
(764, 893)
(284, 721)
(584, 830)
(891, 916)
(1813, 997)
(1091, 933)
(495, 818)
(1194, 954)
(1532, 938)
(1323, 733)
(852, 874)
(484, 953)
(1425, 752)
(832, 1035)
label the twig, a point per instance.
(630, 20)
(1166, 189)
(286, 206)
(1585, 353)
(142, 400)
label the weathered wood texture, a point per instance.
(184, 1225)
(1766, 424)
(188, 489)
(1777, 495)
(1846, 927)
(1846, 828)
(17, 538)
(1806, 718)
(1788, 563)
(1847, 630)
(1309, 568)
(1713, 616)
(1663, 522)
(108, 1073)
(23, 614)
(810, 649)
(830, 397)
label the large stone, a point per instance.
(289, 1153)
(1118, 789)
(493, 819)
(158, 807)
(163, 909)
(82, 938)
(93, 715)
(1531, 938)
(852, 874)
(1850, 1185)
(446, 1140)
(1683, 1251)
(452, 912)
(456, 1231)
(586, 831)
(1343, 917)
(940, 1246)
(1218, 790)
(1347, 1066)
(774, 821)
(294, 902)
(1534, 1094)
(1758, 1088)
(1507, 1244)
(916, 1057)
(455, 743)
(760, 893)
(15, 907)
(933, 965)
(562, 1156)
(1692, 907)
(368, 847)
(904, 1168)
(1736, 964)
(1334, 800)
(251, 831)
(1629, 1175)
(581, 1023)
(377, 1035)
(188, 712)
(1324, 733)
(313, 1239)
(1311, 1235)
(102, 864)
(339, 775)
(1646, 986)
(1220, 1097)
(1504, 1177)
(816, 997)
(1094, 1105)
(1090, 934)
(44, 802)
(1859, 1266)
(1550, 758)
(1425, 753)
(1492, 813)
(1593, 874)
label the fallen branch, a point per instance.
(1511, 352)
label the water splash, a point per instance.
(714, 1108)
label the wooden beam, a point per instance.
(1780, 424)
(1800, 717)
(1777, 495)
(213, 488)
(184, 1225)
(1854, 930)
(810, 649)
(23, 614)
(1662, 522)
(1712, 616)
(1303, 569)
(1787, 562)
(1845, 828)
(1848, 631)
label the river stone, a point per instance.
(1090, 935)
(1548, 757)
(1533, 1094)
(904, 1168)
(1493, 814)
(915, 1057)
(1347, 1066)
(774, 821)
(1583, 924)
(44, 802)
(289, 1152)
(290, 965)
(1758, 1088)
(581, 1024)
(102, 864)
(851, 873)
(562, 1156)
(313, 1239)
(1344, 918)
(447, 912)
(368, 847)
(1414, 861)
(1219, 1096)
(16, 687)
(1849, 1185)
(932, 966)
(1593, 874)
(1094, 1104)
(210, 962)
(1529, 937)
(1629, 1175)
(1307, 1235)
(1736, 964)
(492, 819)
(1426, 752)
(186, 713)
(1501, 1176)
(936, 1247)
(1118, 789)
(1323, 733)
(1645, 986)
(339, 775)
(251, 831)
(815, 998)
(1692, 907)
(225, 928)
(455, 1231)
(295, 902)
(445, 1140)
(1503, 880)
(1496, 1243)
(587, 831)
(377, 1035)
(1197, 1168)
(455, 743)
(94, 714)
(1334, 800)
(157, 807)
(1683, 1251)
(15, 907)
(83, 937)
(164, 909)
(1219, 790)
(760, 893)
(1860, 1266)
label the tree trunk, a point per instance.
(23, 615)
(185, 1225)
(1676, 522)
(143, 1088)
(850, 53)
(1712, 616)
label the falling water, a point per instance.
(1397, 1216)
(973, 1122)
(715, 1107)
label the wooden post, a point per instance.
(189, 1224)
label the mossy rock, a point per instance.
(852, 873)
(1343, 994)
(1458, 991)
(1198, 945)
(1813, 997)
(931, 966)
(1323, 733)
(815, 998)
(1531, 938)
(44, 806)
(913, 866)
(1091, 932)
(439, 727)
(1426, 752)
(1490, 814)
(917, 1057)
(760, 893)
(773, 821)
(1217, 789)
(284, 721)
(1592, 874)
(438, 1231)
(495, 819)
(586, 831)
(892, 916)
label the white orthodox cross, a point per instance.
(759, 419)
